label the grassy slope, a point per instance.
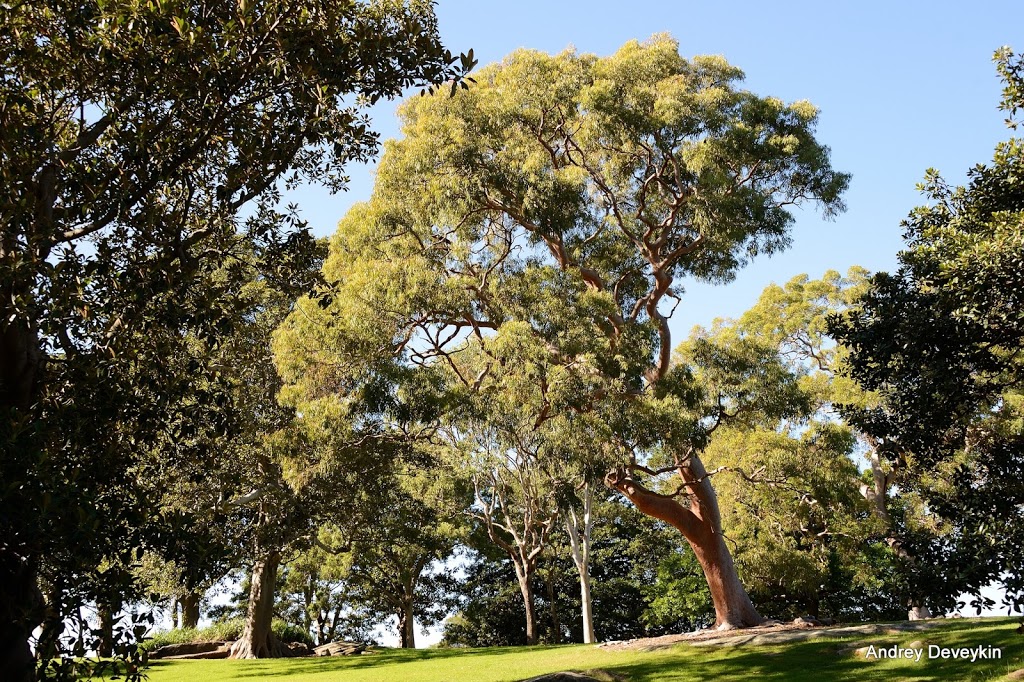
(821, 659)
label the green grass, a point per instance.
(819, 659)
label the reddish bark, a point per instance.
(701, 524)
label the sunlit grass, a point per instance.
(830, 659)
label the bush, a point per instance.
(288, 633)
(225, 631)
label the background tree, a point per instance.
(515, 503)
(940, 341)
(396, 562)
(553, 206)
(632, 597)
(316, 597)
(795, 318)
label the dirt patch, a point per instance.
(768, 634)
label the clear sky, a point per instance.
(902, 86)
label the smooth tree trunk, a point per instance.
(190, 610)
(258, 640)
(700, 523)
(877, 495)
(524, 575)
(580, 529)
(919, 612)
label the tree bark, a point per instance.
(22, 605)
(407, 624)
(919, 612)
(587, 607)
(258, 640)
(527, 591)
(701, 524)
(556, 625)
(580, 531)
(190, 610)
(21, 609)
(105, 649)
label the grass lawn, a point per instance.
(829, 659)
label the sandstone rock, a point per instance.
(572, 676)
(187, 649)
(297, 650)
(340, 649)
(222, 652)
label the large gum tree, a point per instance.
(542, 219)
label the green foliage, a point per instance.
(633, 594)
(678, 593)
(145, 148)
(222, 631)
(940, 342)
(509, 267)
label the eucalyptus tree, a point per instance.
(515, 503)
(395, 563)
(553, 207)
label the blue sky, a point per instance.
(902, 86)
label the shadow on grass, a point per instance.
(827, 658)
(389, 657)
(834, 659)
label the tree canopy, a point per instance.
(524, 237)
(143, 145)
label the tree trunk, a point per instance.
(21, 610)
(919, 612)
(877, 496)
(174, 614)
(580, 531)
(105, 648)
(190, 610)
(556, 625)
(701, 524)
(22, 605)
(407, 624)
(588, 609)
(527, 590)
(258, 640)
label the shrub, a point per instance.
(224, 631)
